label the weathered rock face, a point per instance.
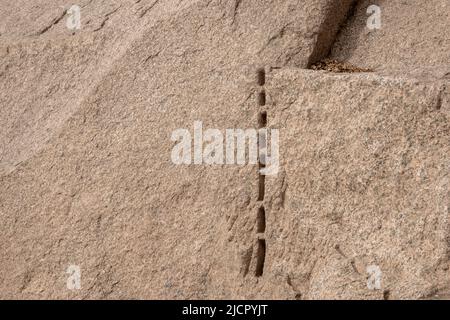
(47, 70)
(366, 182)
(87, 177)
(411, 39)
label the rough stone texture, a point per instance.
(86, 175)
(413, 38)
(366, 182)
(45, 78)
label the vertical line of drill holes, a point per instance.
(261, 214)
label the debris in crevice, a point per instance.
(337, 67)
(338, 13)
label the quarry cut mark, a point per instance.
(262, 124)
(261, 183)
(262, 145)
(260, 257)
(261, 220)
(261, 77)
(262, 98)
(262, 119)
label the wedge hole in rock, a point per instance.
(439, 101)
(261, 185)
(261, 220)
(262, 145)
(262, 98)
(260, 257)
(386, 295)
(262, 119)
(261, 77)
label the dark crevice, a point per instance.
(338, 13)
